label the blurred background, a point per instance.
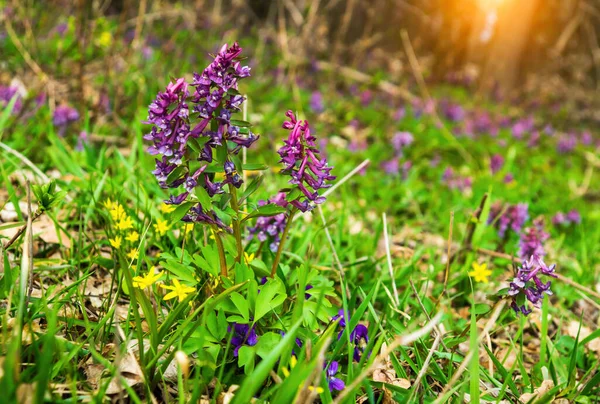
(545, 50)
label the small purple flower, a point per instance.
(521, 127)
(358, 336)
(400, 140)
(300, 157)
(64, 115)
(242, 335)
(559, 219)
(456, 181)
(586, 138)
(316, 102)
(452, 111)
(366, 97)
(270, 228)
(566, 143)
(527, 286)
(399, 114)
(573, 216)
(82, 140)
(335, 384)
(531, 242)
(496, 163)
(391, 167)
(508, 178)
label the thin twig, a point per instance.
(389, 260)
(436, 328)
(448, 255)
(14, 238)
(425, 366)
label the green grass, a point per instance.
(73, 338)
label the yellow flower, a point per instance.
(108, 204)
(133, 254)
(104, 40)
(133, 236)
(187, 229)
(178, 290)
(125, 223)
(117, 212)
(164, 208)
(480, 272)
(116, 242)
(142, 282)
(248, 257)
(293, 362)
(161, 227)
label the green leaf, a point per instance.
(240, 123)
(246, 356)
(255, 167)
(271, 295)
(176, 174)
(251, 188)
(266, 210)
(203, 198)
(242, 305)
(182, 272)
(181, 211)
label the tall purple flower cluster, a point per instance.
(527, 285)
(512, 216)
(270, 228)
(300, 157)
(531, 241)
(189, 122)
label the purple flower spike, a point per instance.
(335, 384)
(300, 157)
(316, 102)
(400, 140)
(203, 108)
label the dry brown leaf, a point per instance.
(546, 386)
(129, 369)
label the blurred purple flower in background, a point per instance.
(400, 140)
(521, 127)
(270, 228)
(531, 241)
(366, 97)
(82, 140)
(63, 116)
(511, 216)
(456, 181)
(566, 143)
(316, 102)
(496, 163)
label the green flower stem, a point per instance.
(222, 259)
(236, 223)
(282, 242)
